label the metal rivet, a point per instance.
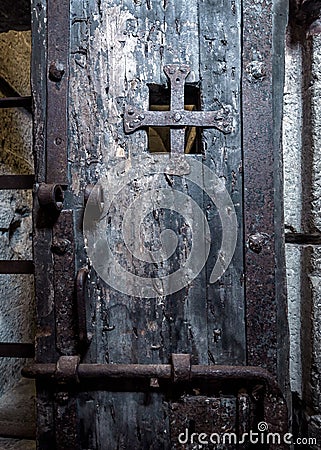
(255, 71)
(60, 246)
(56, 72)
(257, 241)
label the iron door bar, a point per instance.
(179, 370)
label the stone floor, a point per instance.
(17, 444)
(17, 417)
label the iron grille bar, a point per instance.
(303, 238)
(17, 430)
(15, 102)
(11, 267)
(9, 91)
(16, 350)
(16, 181)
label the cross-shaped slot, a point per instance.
(159, 140)
(177, 118)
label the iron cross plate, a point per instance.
(177, 118)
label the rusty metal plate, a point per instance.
(201, 421)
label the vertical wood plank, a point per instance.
(220, 70)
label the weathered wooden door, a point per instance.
(160, 303)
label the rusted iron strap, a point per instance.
(11, 267)
(16, 350)
(98, 372)
(57, 91)
(15, 102)
(260, 175)
(63, 248)
(135, 118)
(16, 181)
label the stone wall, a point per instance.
(16, 291)
(302, 194)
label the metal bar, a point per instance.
(10, 267)
(177, 140)
(259, 180)
(16, 350)
(99, 372)
(17, 181)
(303, 238)
(177, 75)
(262, 88)
(57, 91)
(15, 102)
(63, 248)
(135, 118)
(17, 430)
(10, 91)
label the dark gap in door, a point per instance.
(159, 137)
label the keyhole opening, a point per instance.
(159, 137)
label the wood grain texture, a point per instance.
(117, 49)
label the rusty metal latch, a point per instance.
(180, 370)
(51, 196)
(177, 118)
(67, 369)
(181, 367)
